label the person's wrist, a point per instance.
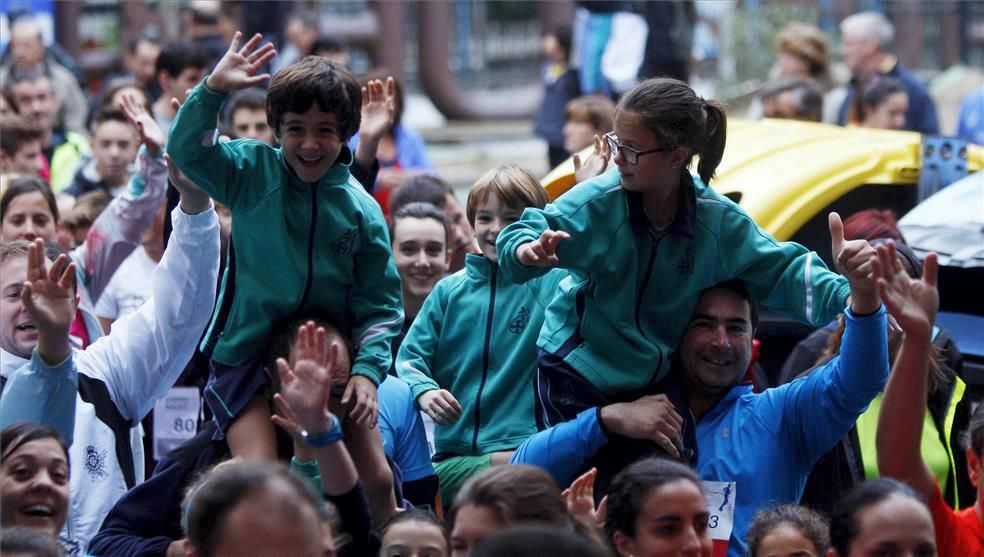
(864, 304)
(608, 418)
(194, 204)
(212, 86)
(326, 434)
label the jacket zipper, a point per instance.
(645, 284)
(485, 361)
(310, 254)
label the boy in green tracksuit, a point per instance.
(470, 356)
(308, 239)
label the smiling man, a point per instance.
(754, 450)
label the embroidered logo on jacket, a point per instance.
(343, 245)
(517, 325)
(686, 264)
(95, 463)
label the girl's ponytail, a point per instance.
(716, 131)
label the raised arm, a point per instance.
(148, 349)
(914, 304)
(117, 231)
(218, 167)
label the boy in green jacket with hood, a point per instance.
(470, 356)
(308, 239)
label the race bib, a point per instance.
(175, 419)
(720, 498)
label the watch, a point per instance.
(333, 434)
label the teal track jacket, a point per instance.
(618, 326)
(300, 249)
(476, 337)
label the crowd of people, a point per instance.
(377, 368)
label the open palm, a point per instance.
(912, 302)
(306, 384)
(237, 68)
(49, 294)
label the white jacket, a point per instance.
(121, 376)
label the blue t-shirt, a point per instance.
(402, 429)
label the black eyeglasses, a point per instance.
(630, 155)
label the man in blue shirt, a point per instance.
(759, 448)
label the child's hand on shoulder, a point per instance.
(151, 134)
(360, 395)
(542, 252)
(237, 68)
(440, 405)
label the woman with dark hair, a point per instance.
(656, 508)
(505, 496)
(33, 478)
(884, 103)
(878, 514)
(32, 210)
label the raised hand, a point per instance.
(305, 385)
(580, 499)
(237, 68)
(193, 199)
(855, 260)
(49, 293)
(542, 252)
(48, 296)
(150, 133)
(440, 405)
(595, 164)
(912, 302)
(378, 108)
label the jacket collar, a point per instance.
(686, 215)
(479, 267)
(337, 174)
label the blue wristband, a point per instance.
(324, 438)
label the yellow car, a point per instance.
(789, 175)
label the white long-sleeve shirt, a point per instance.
(121, 376)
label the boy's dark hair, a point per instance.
(116, 85)
(175, 57)
(87, 209)
(300, 85)
(809, 523)
(23, 540)
(252, 98)
(15, 132)
(108, 114)
(419, 210)
(535, 540)
(328, 44)
(807, 93)
(515, 186)
(425, 188)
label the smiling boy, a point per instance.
(308, 238)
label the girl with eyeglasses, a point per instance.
(642, 241)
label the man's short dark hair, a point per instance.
(313, 79)
(175, 57)
(109, 114)
(133, 43)
(424, 188)
(737, 287)
(15, 131)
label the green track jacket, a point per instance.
(299, 249)
(619, 325)
(476, 337)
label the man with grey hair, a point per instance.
(30, 58)
(867, 41)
